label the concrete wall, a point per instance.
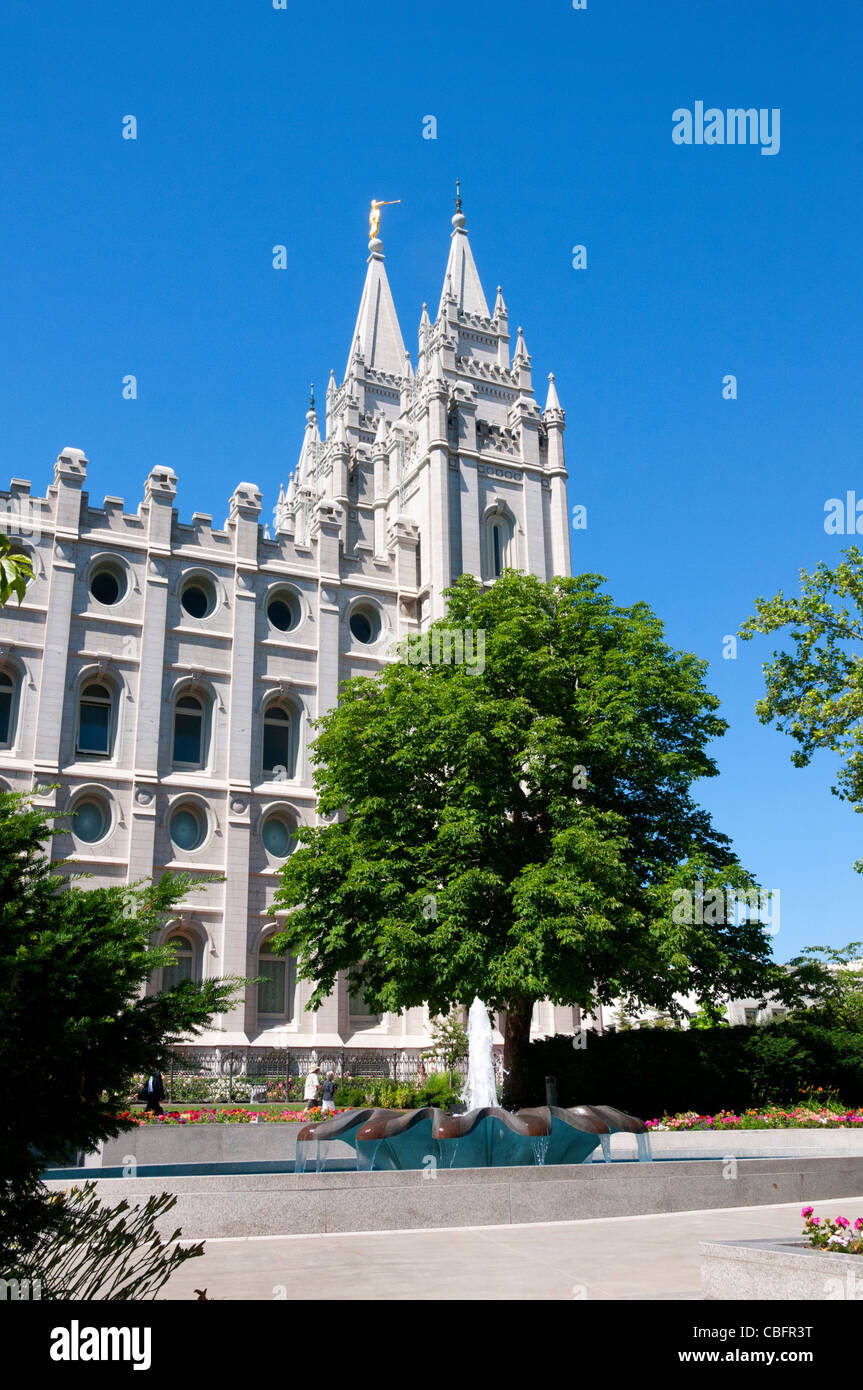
(286, 1204)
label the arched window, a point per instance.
(184, 962)
(499, 544)
(9, 685)
(95, 720)
(280, 743)
(276, 987)
(497, 549)
(190, 731)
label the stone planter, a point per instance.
(776, 1270)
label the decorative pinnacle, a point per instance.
(311, 395)
(458, 195)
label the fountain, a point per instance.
(481, 1086)
(485, 1137)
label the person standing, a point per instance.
(328, 1093)
(310, 1090)
(154, 1091)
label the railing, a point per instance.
(286, 1068)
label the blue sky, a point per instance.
(258, 126)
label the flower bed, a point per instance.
(771, 1117)
(224, 1117)
(837, 1234)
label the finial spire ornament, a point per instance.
(375, 215)
(458, 195)
(311, 395)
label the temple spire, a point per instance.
(377, 330)
(461, 277)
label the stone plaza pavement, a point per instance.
(636, 1257)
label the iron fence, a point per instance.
(281, 1071)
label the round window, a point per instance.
(91, 820)
(365, 625)
(283, 612)
(188, 828)
(108, 585)
(278, 837)
(198, 598)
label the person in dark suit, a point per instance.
(153, 1092)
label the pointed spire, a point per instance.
(380, 434)
(307, 464)
(331, 386)
(292, 492)
(552, 401)
(436, 371)
(462, 278)
(341, 434)
(521, 353)
(499, 306)
(377, 330)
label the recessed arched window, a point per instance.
(9, 688)
(497, 549)
(277, 986)
(281, 728)
(184, 962)
(95, 720)
(499, 544)
(190, 731)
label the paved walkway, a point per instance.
(635, 1257)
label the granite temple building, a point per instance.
(163, 673)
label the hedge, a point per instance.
(653, 1072)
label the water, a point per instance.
(540, 1148)
(481, 1088)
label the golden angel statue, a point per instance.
(375, 215)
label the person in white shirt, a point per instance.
(310, 1091)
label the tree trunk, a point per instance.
(515, 1040)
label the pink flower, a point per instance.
(843, 1222)
(807, 1211)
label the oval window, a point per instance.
(283, 612)
(108, 584)
(198, 598)
(278, 837)
(188, 828)
(91, 820)
(365, 625)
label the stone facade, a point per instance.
(163, 674)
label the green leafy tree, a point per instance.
(814, 692)
(16, 571)
(449, 1040)
(824, 986)
(516, 829)
(75, 1026)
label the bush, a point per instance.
(652, 1072)
(438, 1091)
